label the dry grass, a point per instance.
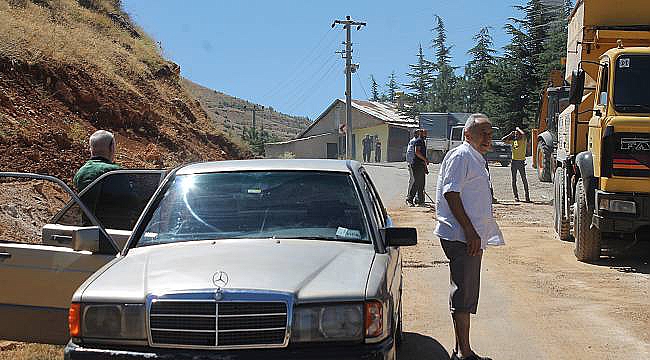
(67, 33)
(32, 352)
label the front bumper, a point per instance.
(382, 351)
(622, 223)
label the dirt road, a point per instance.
(537, 301)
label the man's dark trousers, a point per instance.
(519, 166)
(417, 187)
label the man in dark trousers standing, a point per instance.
(377, 151)
(366, 142)
(517, 139)
(419, 170)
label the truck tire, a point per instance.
(587, 247)
(562, 225)
(543, 162)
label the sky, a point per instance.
(282, 53)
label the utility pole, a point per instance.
(349, 69)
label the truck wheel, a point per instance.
(587, 247)
(562, 226)
(543, 163)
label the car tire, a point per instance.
(543, 162)
(587, 246)
(505, 163)
(562, 225)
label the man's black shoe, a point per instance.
(410, 203)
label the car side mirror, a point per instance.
(397, 237)
(86, 239)
(577, 90)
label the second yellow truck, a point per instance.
(602, 178)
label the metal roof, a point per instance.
(386, 112)
(270, 165)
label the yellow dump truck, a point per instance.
(602, 178)
(552, 100)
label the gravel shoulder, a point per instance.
(537, 301)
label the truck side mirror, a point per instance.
(86, 239)
(577, 87)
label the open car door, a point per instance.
(37, 281)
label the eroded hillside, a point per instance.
(68, 68)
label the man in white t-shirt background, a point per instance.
(466, 224)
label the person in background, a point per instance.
(410, 157)
(377, 151)
(517, 139)
(466, 225)
(367, 149)
(102, 152)
(419, 169)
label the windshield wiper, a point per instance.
(641, 107)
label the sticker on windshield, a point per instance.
(344, 233)
(624, 63)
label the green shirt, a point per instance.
(91, 170)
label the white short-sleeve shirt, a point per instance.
(463, 171)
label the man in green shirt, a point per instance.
(102, 152)
(517, 139)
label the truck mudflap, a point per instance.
(622, 213)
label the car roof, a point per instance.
(346, 166)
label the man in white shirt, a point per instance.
(466, 224)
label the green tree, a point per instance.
(256, 139)
(420, 85)
(443, 92)
(391, 88)
(476, 70)
(374, 88)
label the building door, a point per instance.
(332, 151)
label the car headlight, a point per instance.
(112, 321)
(341, 322)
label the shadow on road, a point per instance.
(422, 347)
(627, 265)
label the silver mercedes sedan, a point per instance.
(254, 259)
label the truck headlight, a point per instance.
(113, 321)
(618, 206)
(341, 322)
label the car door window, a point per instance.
(117, 200)
(377, 208)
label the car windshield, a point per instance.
(283, 204)
(631, 89)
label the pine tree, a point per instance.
(374, 89)
(392, 87)
(421, 79)
(476, 71)
(442, 97)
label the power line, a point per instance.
(287, 88)
(299, 66)
(311, 90)
(361, 83)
